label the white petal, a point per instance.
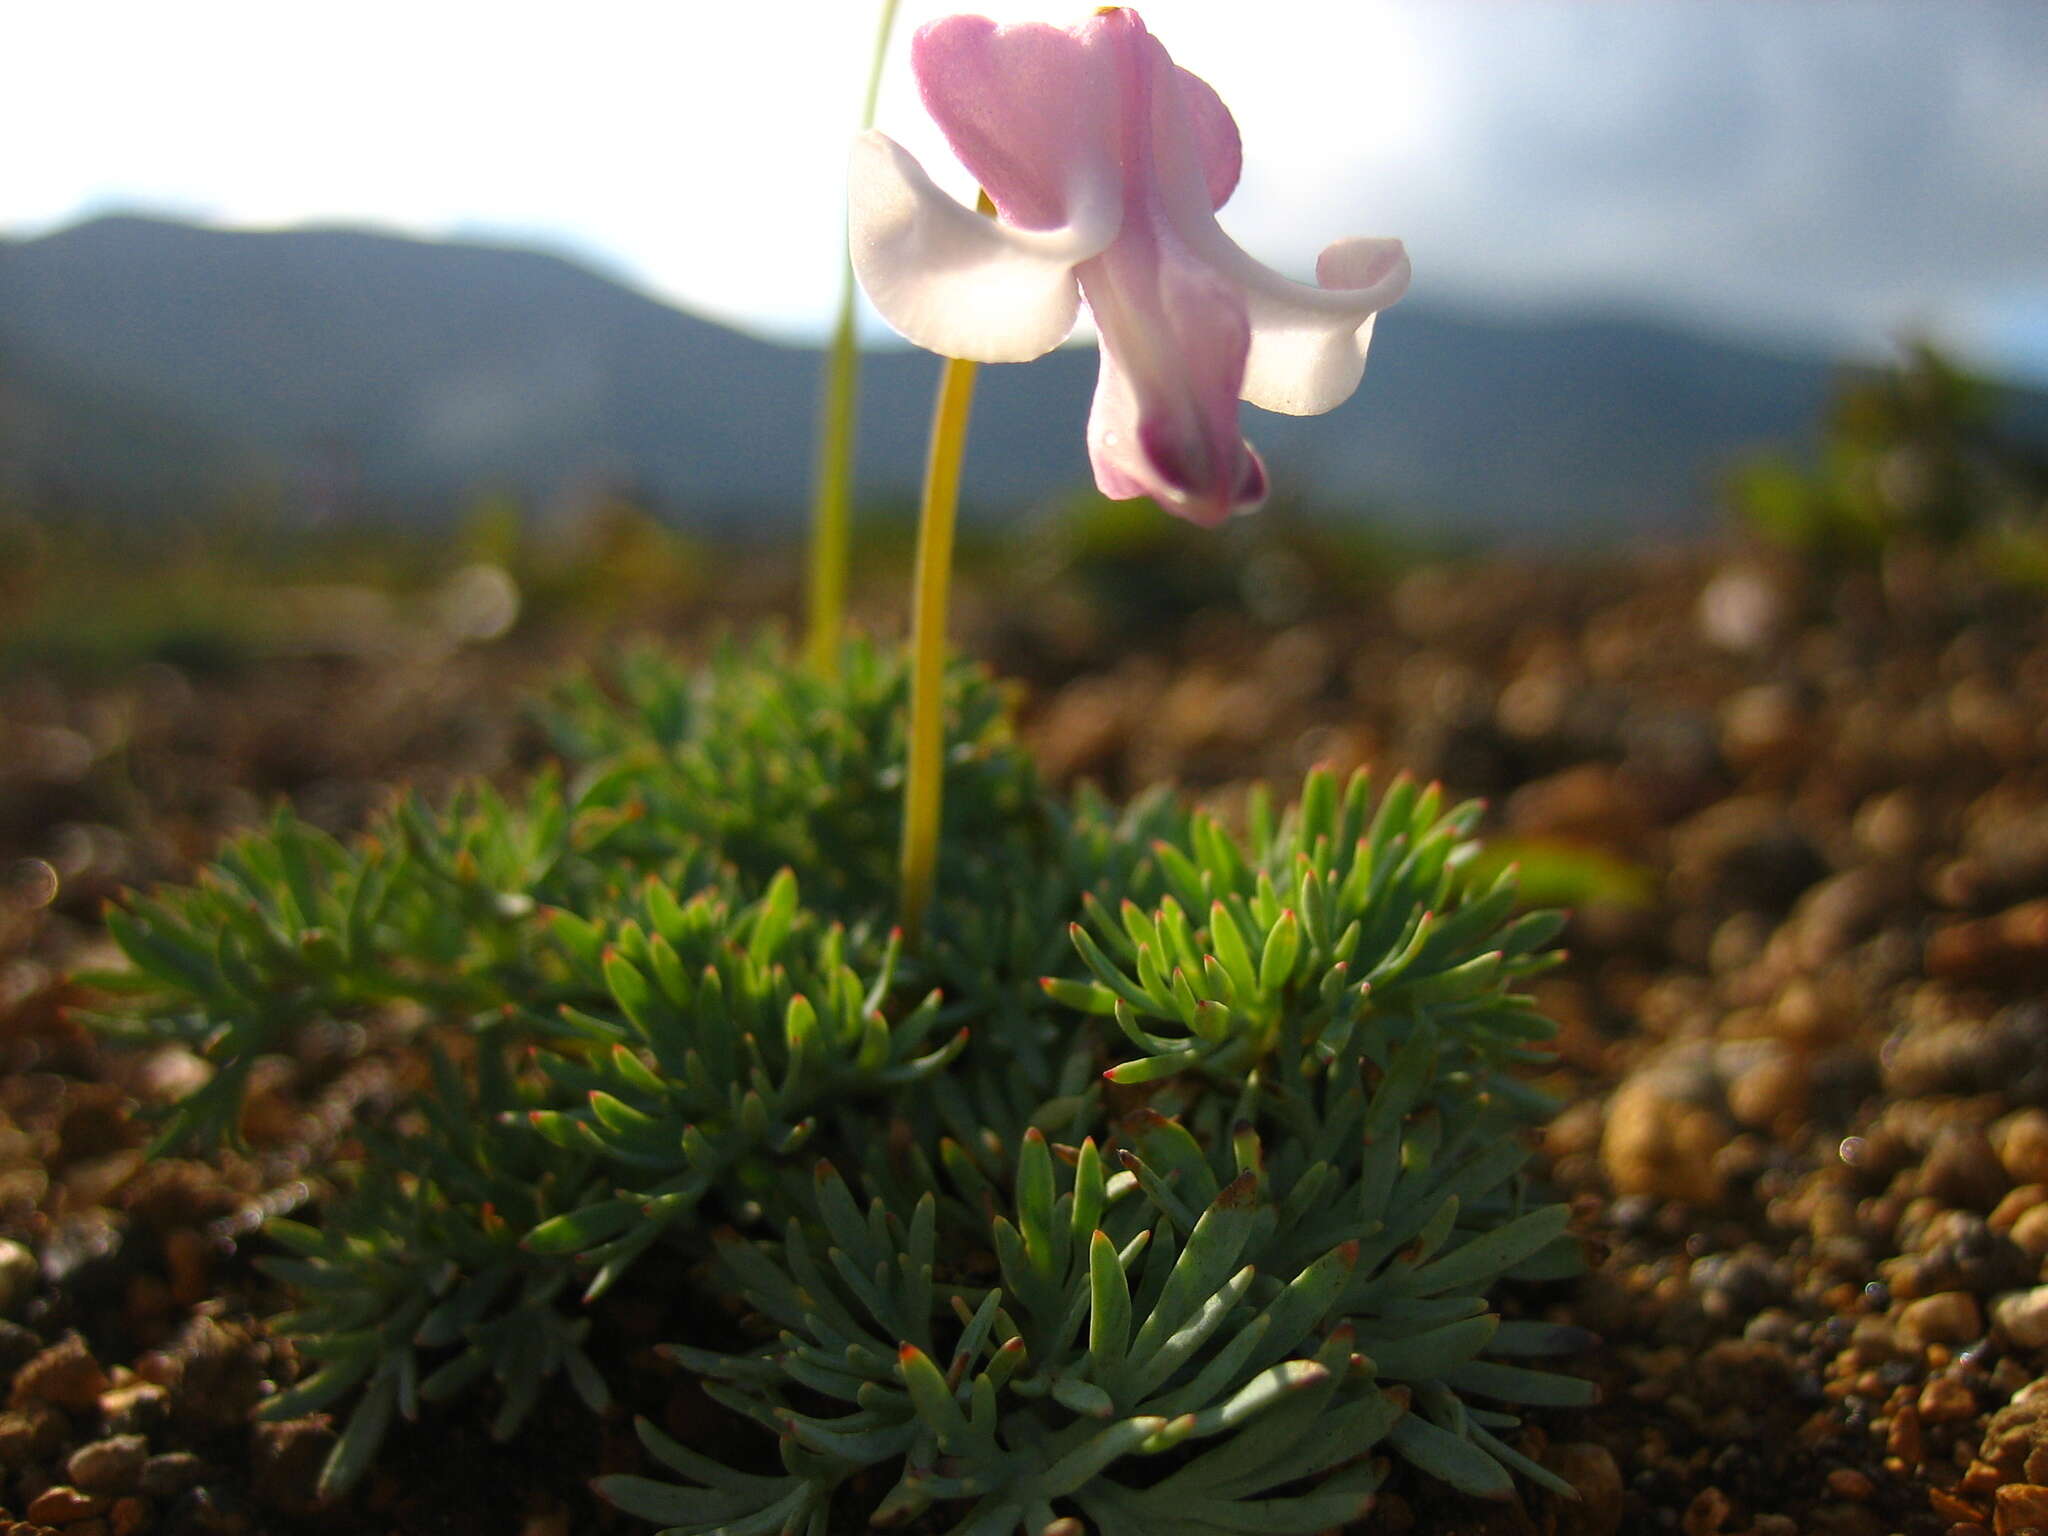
(958, 283)
(1308, 344)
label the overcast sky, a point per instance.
(1838, 171)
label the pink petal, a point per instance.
(1164, 423)
(949, 279)
(1308, 344)
(1215, 136)
(1136, 448)
(1029, 110)
(1174, 330)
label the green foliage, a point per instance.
(1134, 574)
(422, 1257)
(1165, 1187)
(1916, 452)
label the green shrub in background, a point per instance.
(1163, 1186)
(1918, 453)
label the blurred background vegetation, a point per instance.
(1917, 457)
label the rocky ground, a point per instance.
(1803, 818)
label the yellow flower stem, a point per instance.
(832, 498)
(832, 490)
(924, 775)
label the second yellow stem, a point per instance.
(925, 772)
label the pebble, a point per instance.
(17, 1344)
(2020, 1507)
(1946, 1400)
(2007, 1054)
(1962, 1170)
(1707, 1514)
(65, 1375)
(2023, 1317)
(286, 1458)
(1946, 1317)
(170, 1473)
(1769, 1093)
(2010, 948)
(1663, 1133)
(1848, 1483)
(18, 1273)
(1592, 1472)
(30, 1433)
(2017, 1203)
(2022, 1142)
(136, 1407)
(1904, 1438)
(113, 1465)
(64, 1505)
(1957, 1251)
(2014, 1448)
(2029, 1232)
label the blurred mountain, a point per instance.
(146, 363)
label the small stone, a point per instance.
(30, 1434)
(1848, 1483)
(2029, 1232)
(1873, 1341)
(1664, 1129)
(1592, 1472)
(1946, 1317)
(113, 1465)
(18, 1273)
(1903, 1437)
(286, 1459)
(1845, 1517)
(1961, 1514)
(2020, 1507)
(171, 1473)
(65, 1375)
(1770, 1093)
(2014, 1448)
(135, 1408)
(2023, 1316)
(17, 1345)
(64, 1505)
(2017, 1203)
(2010, 948)
(1962, 1170)
(2022, 1142)
(1946, 1400)
(1740, 609)
(130, 1517)
(2006, 1054)
(1707, 1513)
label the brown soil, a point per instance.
(1807, 1071)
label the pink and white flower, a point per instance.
(1106, 163)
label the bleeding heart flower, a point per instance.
(1106, 163)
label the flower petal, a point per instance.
(1216, 140)
(1164, 421)
(1029, 109)
(953, 281)
(1308, 344)
(1133, 455)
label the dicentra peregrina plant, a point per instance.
(1161, 1186)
